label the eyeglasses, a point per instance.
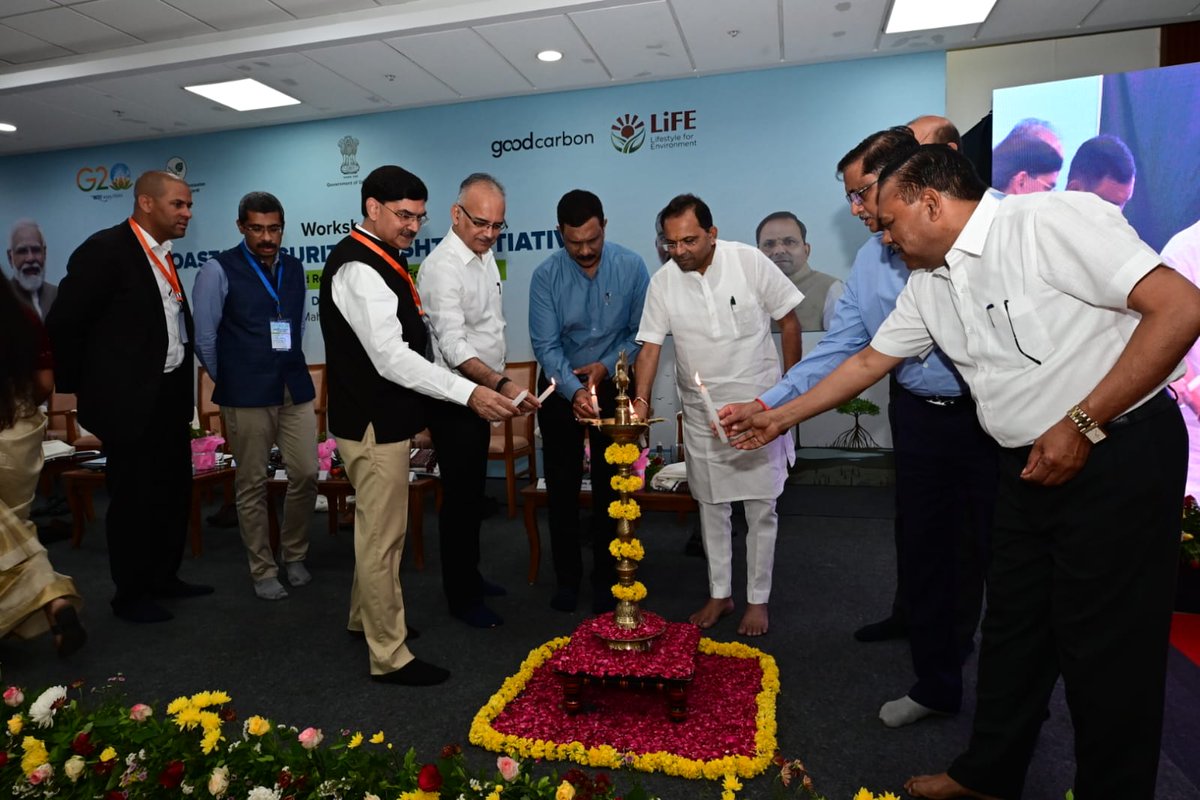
(406, 216)
(682, 244)
(482, 223)
(259, 230)
(855, 196)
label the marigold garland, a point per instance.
(484, 735)
(631, 484)
(627, 510)
(633, 594)
(622, 454)
(632, 549)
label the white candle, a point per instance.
(549, 391)
(516, 401)
(712, 410)
(595, 403)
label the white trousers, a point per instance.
(717, 534)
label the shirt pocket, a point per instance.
(1024, 340)
(745, 320)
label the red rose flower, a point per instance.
(172, 776)
(227, 714)
(429, 779)
(451, 750)
(82, 744)
(285, 779)
(115, 794)
(104, 767)
(3, 757)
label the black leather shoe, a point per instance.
(566, 598)
(489, 589)
(414, 673)
(177, 588)
(881, 631)
(140, 610)
(70, 633)
(479, 616)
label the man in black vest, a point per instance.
(379, 356)
(249, 329)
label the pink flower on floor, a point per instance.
(13, 696)
(508, 767)
(310, 738)
(140, 712)
(40, 774)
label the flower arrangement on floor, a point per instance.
(72, 743)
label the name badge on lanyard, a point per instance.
(281, 328)
(281, 335)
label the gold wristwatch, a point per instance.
(1086, 425)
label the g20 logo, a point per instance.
(96, 179)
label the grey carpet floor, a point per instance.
(293, 662)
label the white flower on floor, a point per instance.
(42, 710)
(263, 793)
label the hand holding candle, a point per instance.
(595, 402)
(712, 410)
(549, 391)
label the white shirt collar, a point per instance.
(152, 242)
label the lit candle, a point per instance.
(595, 403)
(712, 410)
(633, 411)
(549, 391)
(516, 401)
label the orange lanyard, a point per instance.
(171, 276)
(379, 251)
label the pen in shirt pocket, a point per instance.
(499, 290)
(733, 315)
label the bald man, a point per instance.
(122, 335)
(27, 257)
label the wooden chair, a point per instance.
(513, 439)
(208, 412)
(321, 401)
(62, 424)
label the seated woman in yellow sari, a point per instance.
(33, 597)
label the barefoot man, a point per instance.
(717, 299)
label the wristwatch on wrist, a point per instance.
(1086, 425)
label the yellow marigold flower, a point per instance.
(633, 594)
(732, 783)
(178, 704)
(202, 699)
(208, 742)
(219, 698)
(377, 738)
(355, 741)
(15, 723)
(863, 794)
(34, 754)
(209, 721)
(108, 754)
(888, 796)
(257, 726)
(188, 718)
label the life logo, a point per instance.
(668, 130)
(118, 178)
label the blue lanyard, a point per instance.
(262, 276)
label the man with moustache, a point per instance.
(782, 237)
(460, 285)
(717, 300)
(945, 463)
(27, 257)
(122, 335)
(585, 302)
(382, 379)
(249, 330)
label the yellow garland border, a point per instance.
(484, 735)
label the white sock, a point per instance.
(297, 573)
(905, 711)
(270, 589)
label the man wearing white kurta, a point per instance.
(717, 299)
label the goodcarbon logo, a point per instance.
(532, 142)
(628, 133)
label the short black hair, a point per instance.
(878, 149)
(934, 166)
(578, 206)
(780, 215)
(1027, 154)
(389, 182)
(259, 203)
(1100, 157)
(682, 203)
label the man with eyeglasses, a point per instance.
(250, 312)
(783, 238)
(945, 464)
(27, 257)
(717, 299)
(461, 288)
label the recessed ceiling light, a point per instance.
(923, 15)
(549, 55)
(246, 94)
(7, 127)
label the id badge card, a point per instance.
(281, 335)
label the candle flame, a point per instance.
(698, 381)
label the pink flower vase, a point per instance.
(325, 452)
(204, 452)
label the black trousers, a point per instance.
(461, 439)
(149, 482)
(946, 490)
(562, 455)
(1081, 585)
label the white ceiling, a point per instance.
(83, 72)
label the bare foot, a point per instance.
(713, 610)
(940, 787)
(754, 621)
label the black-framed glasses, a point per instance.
(482, 223)
(408, 216)
(855, 196)
(259, 230)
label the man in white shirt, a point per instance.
(461, 287)
(1066, 327)
(381, 376)
(717, 299)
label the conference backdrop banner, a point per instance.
(748, 143)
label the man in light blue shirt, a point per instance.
(585, 303)
(945, 463)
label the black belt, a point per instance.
(940, 399)
(1158, 404)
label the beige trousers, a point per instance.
(379, 474)
(251, 433)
